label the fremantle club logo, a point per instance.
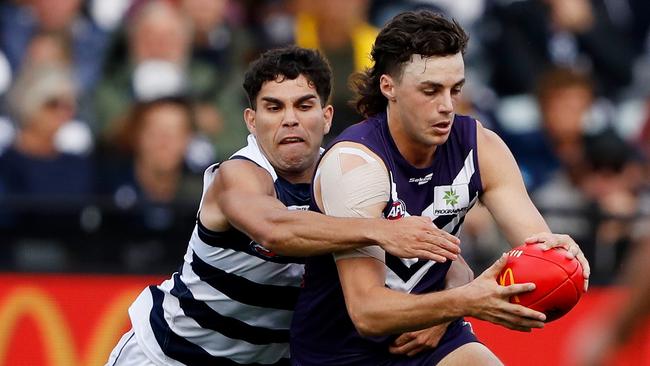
(397, 210)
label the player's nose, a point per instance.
(290, 118)
(446, 104)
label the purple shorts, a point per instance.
(458, 333)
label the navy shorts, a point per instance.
(459, 332)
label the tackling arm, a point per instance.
(242, 195)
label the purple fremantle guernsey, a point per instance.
(321, 331)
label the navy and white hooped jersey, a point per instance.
(322, 332)
(232, 300)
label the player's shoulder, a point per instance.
(487, 138)
(241, 170)
(351, 152)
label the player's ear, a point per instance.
(249, 118)
(387, 87)
(328, 114)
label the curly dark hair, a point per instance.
(413, 32)
(289, 62)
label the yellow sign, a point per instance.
(60, 348)
(507, 279)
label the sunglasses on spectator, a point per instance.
(58, 103)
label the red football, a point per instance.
(558, 280)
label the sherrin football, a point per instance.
(558, 280)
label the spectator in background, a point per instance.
(148, 183)
(565, 99)
(612, 182)
(271, 22)
(533, 35)
(557, 163)
(160, 63)
(42, 188)
(43, 100)
(586, 181)
(220, 41)
(340, 29)
(20, 21)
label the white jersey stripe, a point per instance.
(394, 282)
(213, 342)
(248, 266)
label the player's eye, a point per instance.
(272, 107)
(456, 90)
(305, 106)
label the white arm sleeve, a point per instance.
(354, 184)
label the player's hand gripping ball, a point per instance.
(558, 280)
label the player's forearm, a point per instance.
(384, 311)
(308, 233)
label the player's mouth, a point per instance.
(442, 127)
(291, 140)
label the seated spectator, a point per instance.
(43, 100)
(42, 188)
(565, 99)
(613, 182)
(159, 63)
(154, 196)
(537, 34)
(20, 21)
(340, 29)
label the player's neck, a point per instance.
(297, 178)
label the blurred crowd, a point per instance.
(110, 110)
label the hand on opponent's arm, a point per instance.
(416, 237)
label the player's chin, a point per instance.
(437, 138)
(297, 163)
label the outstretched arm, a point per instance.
(242, 195)
(505, 195)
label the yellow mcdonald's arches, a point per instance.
(510, 277)
(109, 329)
(31, 301)
(58, 339)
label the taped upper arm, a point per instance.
(352, 181)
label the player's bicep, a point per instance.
(504, 192)
(351, 181)
(243, 193)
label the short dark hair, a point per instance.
(559, 77)
(289, 62)
(413, 32)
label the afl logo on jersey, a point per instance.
(259, 249)
(397, 210)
